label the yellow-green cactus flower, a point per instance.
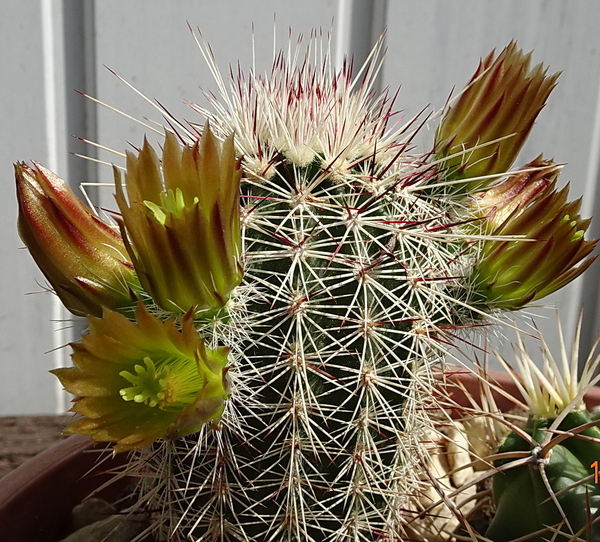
(181, 226)
(549, 249)
(83, 258)
(483, 132)
(136, 382)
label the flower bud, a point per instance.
(136, 382)
(548, 250)
(511, 197)
(83, 258)
(181, 226)
(483, 132)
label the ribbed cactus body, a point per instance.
(359, 259)
(348, 283)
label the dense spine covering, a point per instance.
(341, 343)
(360, 259)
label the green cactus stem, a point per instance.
(546, 488)
(555, 491)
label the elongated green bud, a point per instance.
(483, 132)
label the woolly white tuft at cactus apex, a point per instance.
(270, 310)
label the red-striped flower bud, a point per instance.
(547, 250)
(83, 258)
(512, 196)
(483, 132)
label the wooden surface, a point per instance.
(22, 437)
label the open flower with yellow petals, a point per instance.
(181, 222)
(136, 382)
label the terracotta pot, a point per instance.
(37, 497)
(471, 384)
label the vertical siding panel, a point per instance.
(588, 287)
(55, 135)
(359, 24)
(25, 386)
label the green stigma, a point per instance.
(148, 385)
(577, 236)
(171, 203)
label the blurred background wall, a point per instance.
(52, 48)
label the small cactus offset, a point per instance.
(546, 469)
(286, 282)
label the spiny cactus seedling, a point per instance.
(532, 470)
(358, 258)
(546, 473)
